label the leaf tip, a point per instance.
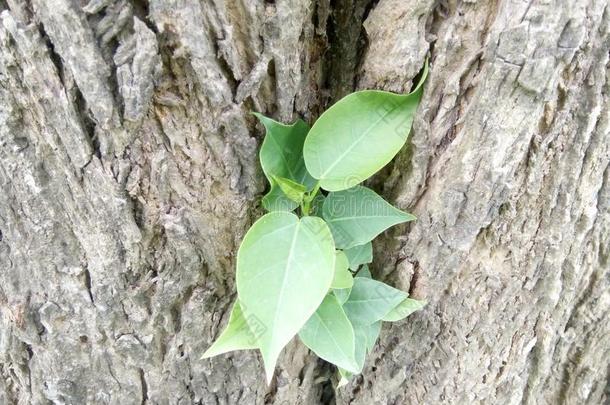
(208, 353)
(409, 217)
(269, 372)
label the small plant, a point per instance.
(309, 275)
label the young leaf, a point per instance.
(317, 204)
(360, 334)
(344, 377)
(285, 267)
(372, 334)
(342, 294)
(276, 200)
(371, 300)
(361, 254)
(404, 309)
(366, 337)
(291, 189)
(368, 292)
(343, 277)
(236, 335)
(359, 135)
(356, 216)
(329, 334)
(364, 272)
(281, 155)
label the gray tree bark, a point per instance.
(129, 173)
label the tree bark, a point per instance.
(129, 173)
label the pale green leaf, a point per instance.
(285, 266)
(281, 155)
(276, 200)
(342, 294)
(344, 377)
(358, 255)
(343, 277)
(404, 309)
(372, 334)
(359, 135)
(365, 339)
(317, 204)
(364, 272)
(356, 216)
(360, 334)
(371, 300)
(291, 189)
(236, 335)
(329, 334)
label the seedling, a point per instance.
(308, 274)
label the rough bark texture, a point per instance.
(129, 174)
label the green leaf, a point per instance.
(285, 266)
(364, 272)
(236, 335)
(360, 334)
(329, 334)
(281, 155)
(368, 302)
(404, 309)
(276, 200)
(358, 255)
(342, 294)
(366, 337)
(371, 300)
(356, 216)
(317, 204)
(344, 377)
(291, 189)
(359, 135)
(372, 334)
(343, 277)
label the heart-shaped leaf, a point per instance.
(370, 300)
(358, 255)
(356, 216)
(329, 334)
(364, 272)
(343, 277)
(365, 338)
(291, 189)
(285, 266)
(360, 334)
(281, 155)
(276, 200)
(372, 334)
(404, 309)
(344, 377)
(317, 204)
(342, 294)
(359, 135)
(236, 335)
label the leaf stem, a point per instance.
(315, 190)
(306, 204)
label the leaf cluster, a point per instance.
(308, 275)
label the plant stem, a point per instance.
(305, 208)
(315, 190)
(306, 205)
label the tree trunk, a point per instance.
(129, 173)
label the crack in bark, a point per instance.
(144, 386)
